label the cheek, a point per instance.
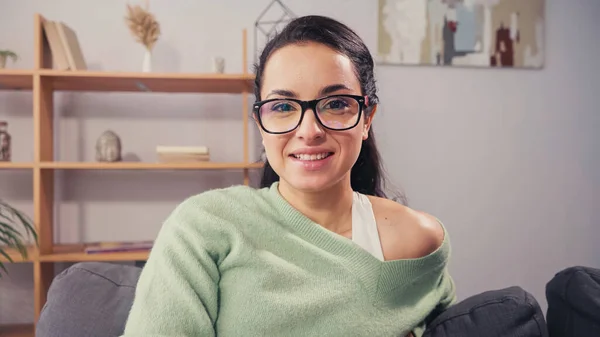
(274, 146)
(350, 142)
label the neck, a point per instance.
(330, 208)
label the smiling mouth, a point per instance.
(312, 157)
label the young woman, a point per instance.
(317, 250)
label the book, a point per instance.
(71, 46)
(161, 149)
(59, 58)
(113, 247)
(182, 157)
(64, 46)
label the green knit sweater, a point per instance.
(240, 261)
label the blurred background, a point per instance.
(507, 157)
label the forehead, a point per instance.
(307, 68)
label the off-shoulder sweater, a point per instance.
(241, 261)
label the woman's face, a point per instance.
(311, 157)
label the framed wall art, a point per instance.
(468, 33)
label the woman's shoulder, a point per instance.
(405, 232)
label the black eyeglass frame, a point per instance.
(312, 105)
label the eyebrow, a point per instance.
(333, 88)
(325, 91)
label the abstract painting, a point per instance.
(471, 33)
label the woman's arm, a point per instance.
(177, 293)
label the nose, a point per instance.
(309, 128)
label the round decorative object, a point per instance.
(4, 142)
(108, 147)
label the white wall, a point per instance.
(508, 159)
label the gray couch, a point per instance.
(93, 299)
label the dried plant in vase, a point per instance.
(145, 29)
(10, 237)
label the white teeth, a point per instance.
(316, 156)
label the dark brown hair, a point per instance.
(367, 173)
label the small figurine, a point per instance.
(108, 147)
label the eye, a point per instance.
(283, 107)
(335, 104)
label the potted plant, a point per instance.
(10, 238)
(5, 54)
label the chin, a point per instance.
(310, 183)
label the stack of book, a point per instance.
(118, 247)
(182, 154)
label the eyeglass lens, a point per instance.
(334, 112)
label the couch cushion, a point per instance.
(497, 313)
(573, 297)
(89, 299)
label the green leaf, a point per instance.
(5, 217)
(13, 242)
(2, 265)
(13, 238)
(6, 255)
(25, 221)
(9, 219)
(7, 228)
(6, 242)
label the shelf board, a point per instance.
(16, 79)
(17, 330)
(150, 82)
(16, 256)
(15, 166)
(76, 253)
(147, 166)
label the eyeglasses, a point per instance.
(336, 112)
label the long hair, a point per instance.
(367, 174)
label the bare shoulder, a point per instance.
(405, 233)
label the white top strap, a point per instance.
(364, 226)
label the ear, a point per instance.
(368, 121)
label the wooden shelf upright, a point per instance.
(43, 82)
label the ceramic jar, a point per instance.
(5, 145)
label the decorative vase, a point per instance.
(4, 142)
(147, 64)
(219, 64)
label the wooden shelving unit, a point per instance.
(17, 257)
(15, 166)
(17, 330)
(16, 79)
(43, 82)
(148, 82)
(149, 166)
(76, 253)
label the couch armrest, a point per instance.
(89, 299)
(573, 296)
(498, 313)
